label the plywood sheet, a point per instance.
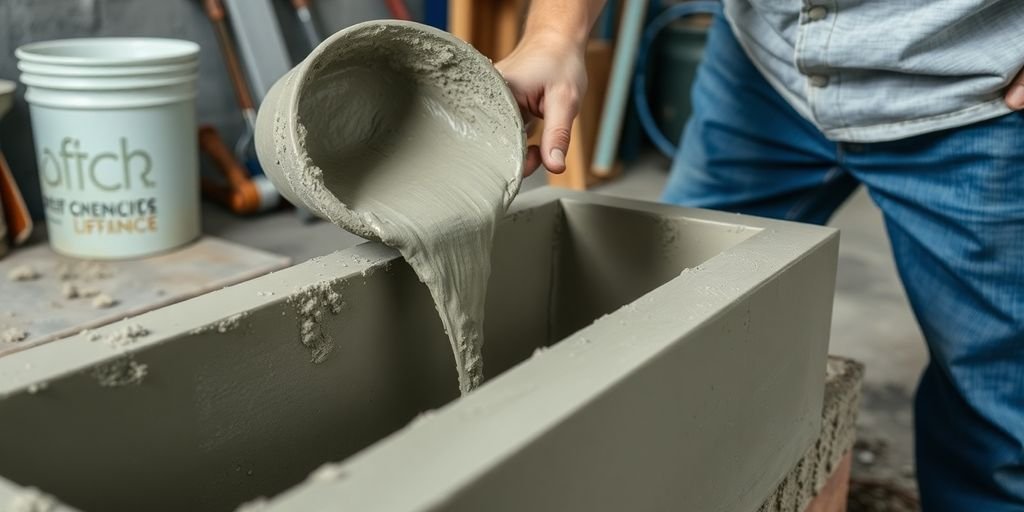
(42, 308)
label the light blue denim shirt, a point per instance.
(877, 70)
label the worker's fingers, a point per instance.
(560, 105)
(1015, 93)
(532, 160)
(530, 126)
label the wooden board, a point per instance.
(39, 307)
(833, 497)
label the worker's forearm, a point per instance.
(565, 19)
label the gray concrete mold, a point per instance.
(639, 356)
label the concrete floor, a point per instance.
(872, 321)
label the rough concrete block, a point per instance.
(642, 357)
(835, 440)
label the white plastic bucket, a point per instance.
(115, 131)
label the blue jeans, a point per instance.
(953, 203)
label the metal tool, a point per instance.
(215, 11)
(261, 47)
(308, 26)
(244, 150)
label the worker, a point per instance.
(795, 104)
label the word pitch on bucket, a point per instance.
(115, 126)
(70, 167)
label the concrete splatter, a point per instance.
(312, 303)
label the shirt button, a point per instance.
(817, 13)
(818, 80)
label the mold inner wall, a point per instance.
(225, 417)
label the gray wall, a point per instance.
(25, 21)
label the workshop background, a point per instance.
(25, 21)
(872, 321)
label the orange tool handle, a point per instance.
(398, 10)
(19, 222)
(240, 195)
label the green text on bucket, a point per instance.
(72, 168)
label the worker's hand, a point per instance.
(1015, 93)
(547, 77)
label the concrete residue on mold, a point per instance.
(224, 325)
(123, 371)
(311, 304)
(407, 136)
(230, 323)
(126, 335)
(31, 499)
(328, 472)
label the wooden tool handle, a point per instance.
(211, 144)
(19, 222)
(398, 9)
(214, 9)
(239, 194)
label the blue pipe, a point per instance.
(643, 106)
(435, 13)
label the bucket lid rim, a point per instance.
(56, 70)
(105, 84)
(173, 50)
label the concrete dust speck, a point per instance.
(23, 273)
(104, 301)
(226, 324)
(230, 323)
(13, 335)
(328, 472)
(69, 291)
(126, 335)
(84, 270)
(120, 372)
